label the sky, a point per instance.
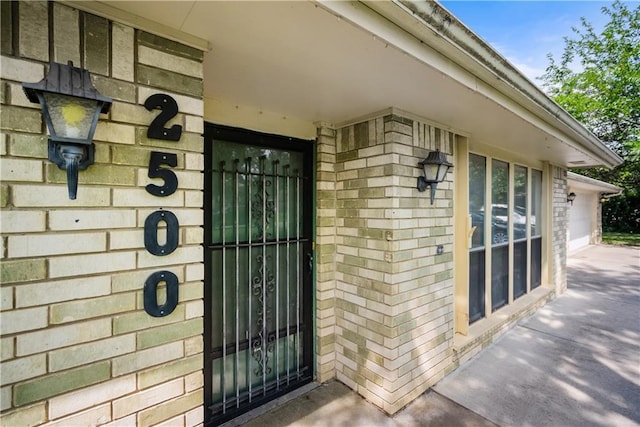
(524, 32)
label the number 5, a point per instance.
(169, 177)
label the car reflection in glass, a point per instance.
(499, 224)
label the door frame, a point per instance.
(307, 148)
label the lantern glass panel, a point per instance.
(430, 171)
(71, 117)
(442, 172)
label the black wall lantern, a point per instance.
(571, 197)
(435, 168)
(71, 106)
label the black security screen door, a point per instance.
(258, 332)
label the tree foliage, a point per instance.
(597, 80)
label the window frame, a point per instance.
(463, 239)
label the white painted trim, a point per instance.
(584, 182)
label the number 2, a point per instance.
(168, 110)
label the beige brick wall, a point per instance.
(77, 346)
(393, 292)
(560, 229)
(325, 252)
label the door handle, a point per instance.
(310, 260)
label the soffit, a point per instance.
(300, 60)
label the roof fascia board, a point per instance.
(591, 183)
(408, 31)
(484, 57)
(135, 21)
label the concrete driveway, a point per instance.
(576, 362)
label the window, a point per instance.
(507, 265)
(499, 234)
(520, 243)
(536, 228)
(477, 183)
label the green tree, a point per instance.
(597, 80)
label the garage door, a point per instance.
(580, 220)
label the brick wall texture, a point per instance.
(325, 251)
(560, 226)
(393, 293)
(77, 346)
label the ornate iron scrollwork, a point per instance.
(263, 283)
(263, 209)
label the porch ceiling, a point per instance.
(300, 60)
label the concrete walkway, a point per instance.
(576, 362)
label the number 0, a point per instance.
(151, 233)
(151, 294)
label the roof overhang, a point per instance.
(332, 61)
(584, 183)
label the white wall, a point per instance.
(582, 220)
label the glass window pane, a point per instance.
(499, 202)
(536, 202)
(499, 234)
(477, 185)
(519, 268)
(476, 285)
(536, 262)
(251, 186)
(499, 276)
(520, 203)
(477, 182)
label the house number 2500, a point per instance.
(159, 164)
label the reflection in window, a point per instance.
(519, 214)
(477, 184)
(536, 228)
(536, 202)
(499, 234)
(520, 203)
(499, 202)
(512, 217)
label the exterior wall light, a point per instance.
(435, 167)
(571, 197)
(71, 106)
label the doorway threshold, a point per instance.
(261, 410)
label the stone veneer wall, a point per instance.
(394, 294)
(560, 229)
(77, 346)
